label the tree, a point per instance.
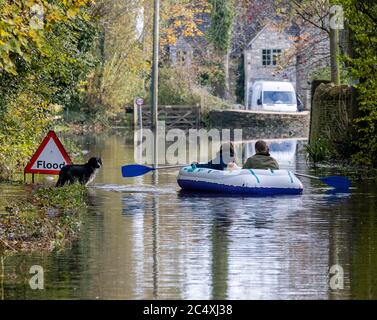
(24, 26)
(43, 63)
(182, 18)
(123, 50)
(222, 14)
(125, 47)
(312, 38)
(362, 22)
(250, 17)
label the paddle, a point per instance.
(136, 170)
(339, 183)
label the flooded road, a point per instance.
(143, 238)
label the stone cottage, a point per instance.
(259, 51)
(262, 56)
(271, 56)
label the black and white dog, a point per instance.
(82, 173)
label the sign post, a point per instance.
(140, 103)
(138, 121)
(49, 158)
(156, 46)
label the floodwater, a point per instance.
(144, 239)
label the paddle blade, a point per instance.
(135, 170)
(340, 183)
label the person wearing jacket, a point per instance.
(224, 157)
(262, 159)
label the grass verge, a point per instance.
(48, 219)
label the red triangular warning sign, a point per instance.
(50, 157)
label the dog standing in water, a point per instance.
(82, 173)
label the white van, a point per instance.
(276, 96)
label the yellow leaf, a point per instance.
(72, 12)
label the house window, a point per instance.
(270, 56)
(266, 57)
(183, 56)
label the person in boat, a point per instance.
(225, 159)
(262, 159)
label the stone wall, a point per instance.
(331, 113)
(262, 125)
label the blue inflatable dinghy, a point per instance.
(242, 182)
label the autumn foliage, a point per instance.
(182, 19)
(44, 60)
(23, 25)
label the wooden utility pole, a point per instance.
(156, 47)
(334, 50)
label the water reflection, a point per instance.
(144, 239)
(155, 234)
(220, 253)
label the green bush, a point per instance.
(174, 88)
(212, 76)
(319, 151)
(44, 75)
(177, 86)
(362, 21)
(22, 125)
